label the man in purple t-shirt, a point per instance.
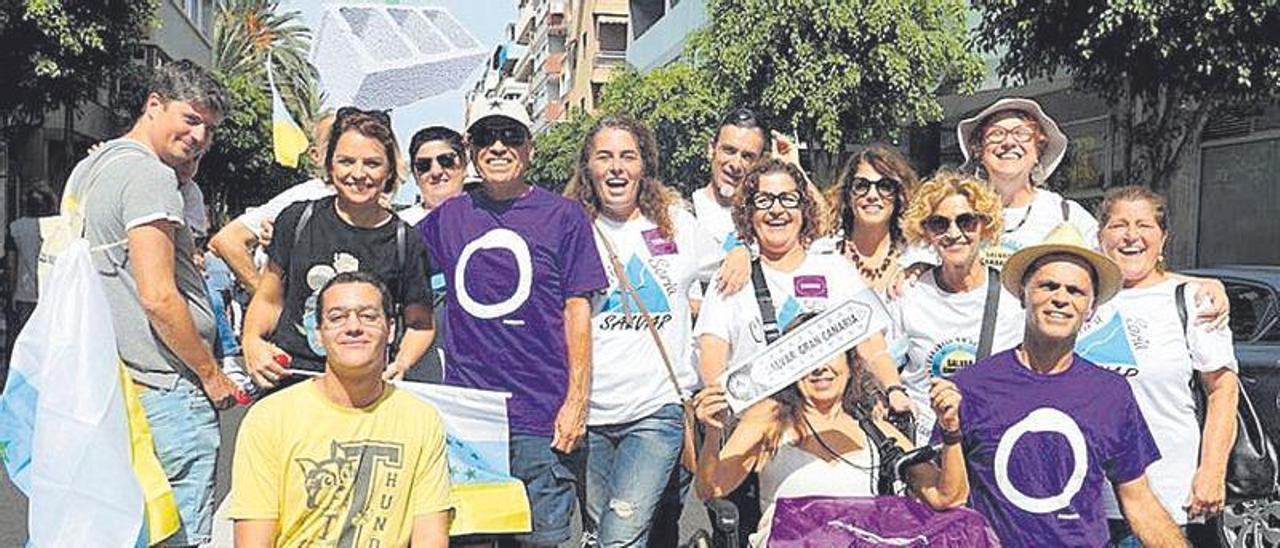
(518, 263)
(1043, 427)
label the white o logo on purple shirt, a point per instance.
(498, 238)
(1045, 419)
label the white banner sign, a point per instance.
(795, 354)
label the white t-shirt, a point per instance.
(629, 379)
(306, 191)
(1024, 226)
(941, 330)
(1138, 335)
(715, 218)
(818, 283)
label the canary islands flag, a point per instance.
(485, 497)
(288, 139)
(72, 435)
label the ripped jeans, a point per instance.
(628, 466)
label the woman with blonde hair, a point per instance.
(956, 313)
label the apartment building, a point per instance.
(597, 45)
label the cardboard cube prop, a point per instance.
(386, 56)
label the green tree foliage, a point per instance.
(675, 102)
(56, 52)
(556, 150)
(246, 31)
(680, 108)
(838, 71)
(240, 169)
(1166, 66)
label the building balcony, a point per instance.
(554, 64)
(525, 24)
(610, 58)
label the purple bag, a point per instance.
(856, 522)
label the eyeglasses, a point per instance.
(448, 160)
(1021, 134)
(886, 186)
(966, 222)
(347, 112)
(764, 200)
(512, 136)
(368, 316)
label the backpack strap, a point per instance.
(400, 296)
(990, 309)
(298, 229)
(1180, 295)
(765, 302)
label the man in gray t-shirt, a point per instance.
(164, 325)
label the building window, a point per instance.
(644, 13)
(613, 37)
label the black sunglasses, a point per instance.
(966, 222)
(347, 112)
(510, 135)
(764, 200)
(886, 186)
(448, 160)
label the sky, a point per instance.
(486, 20)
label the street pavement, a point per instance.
(13, 505)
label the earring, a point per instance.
(1037, 174)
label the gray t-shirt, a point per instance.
(136, 188)
(25, 232)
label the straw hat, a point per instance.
(1063, 239)
(1056, 141)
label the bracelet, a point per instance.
(895, 388)
(952, 437)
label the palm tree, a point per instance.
(246, 31)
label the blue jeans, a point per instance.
(551, 481)
(628, 467)
(184, 427)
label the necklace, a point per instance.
(1023, 221)
(869, 273)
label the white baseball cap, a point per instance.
(492, 107)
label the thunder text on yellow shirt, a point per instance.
(339, 476)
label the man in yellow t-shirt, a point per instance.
(345, 459)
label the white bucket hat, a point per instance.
(1055, 147)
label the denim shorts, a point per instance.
(184, 427)
(551, 480)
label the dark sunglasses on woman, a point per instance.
(764, 200)
(966, 222)
(885, 187)
(510, 135)
(448, 160)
